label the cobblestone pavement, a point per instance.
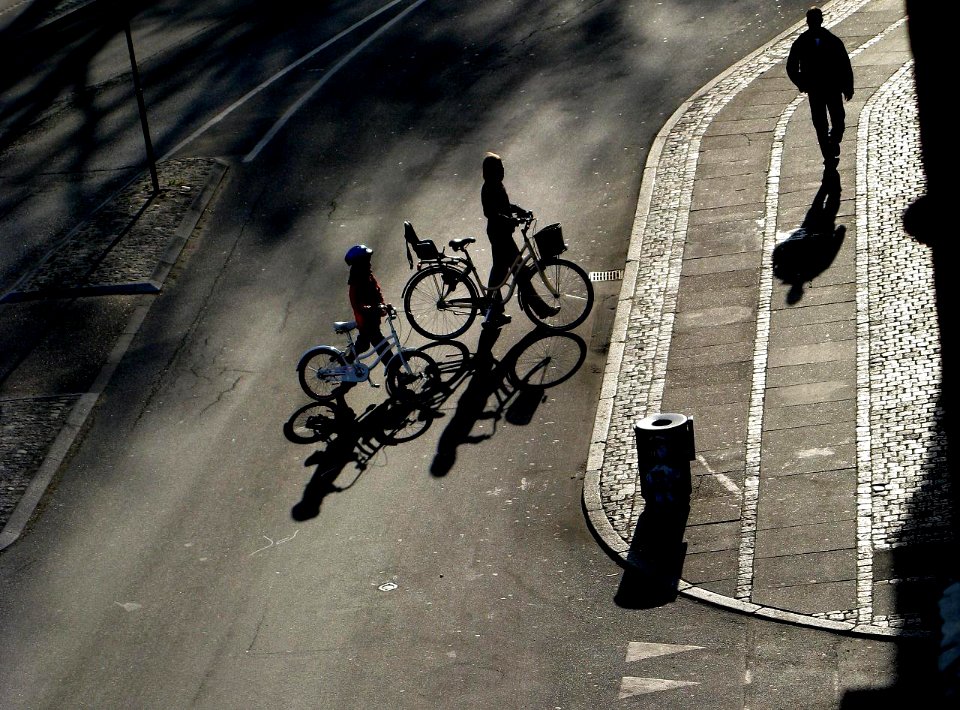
(66, 324)
(806, 352)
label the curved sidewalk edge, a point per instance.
(593, 502)
(79, 414)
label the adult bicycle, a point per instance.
(443, 298)
(327, 372)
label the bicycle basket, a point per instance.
(549, 241)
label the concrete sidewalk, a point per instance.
(792, 317)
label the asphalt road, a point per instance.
(192, 556)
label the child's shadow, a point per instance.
(811, 249)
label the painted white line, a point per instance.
(639, 650)
(279, 75)
(629, 687)
(278, 126)
(724, 480)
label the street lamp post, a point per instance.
(151, 158)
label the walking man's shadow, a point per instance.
(810, 250)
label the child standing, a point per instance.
(366, 298)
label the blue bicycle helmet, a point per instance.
(357, 253)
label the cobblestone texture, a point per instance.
(658, 251)
(124, 242)
(27, 428)
(902, 486)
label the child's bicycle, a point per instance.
(444, 297)
(327, 372)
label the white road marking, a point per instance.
(637, 651)
(629, 686)
(280, 74)
(725, 481)
(290, 112)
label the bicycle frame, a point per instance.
(526, 255)
(351, 373)
(392, 341)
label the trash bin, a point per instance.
(665, 448)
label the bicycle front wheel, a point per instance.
(566, 310)
(321, 373)
(440, 302)
(413, 381)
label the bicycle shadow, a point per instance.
(517, 384)
(344, 438)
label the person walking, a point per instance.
(818, 64)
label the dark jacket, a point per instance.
(818, 62)
(498, 211)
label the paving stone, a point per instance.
(801, 539)
(807, 457)
(722, 264)
(810, 598)
(813, 352)
(811, 568)
(712, 537)
(807, 498)
(703, 567)
(723, 509)
(814, 313)
(809, 415)
(706, 336)
(837, 371)
(810, 394)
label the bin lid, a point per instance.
(662, 422)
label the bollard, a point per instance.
(665, 448)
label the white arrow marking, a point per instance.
(637, 651)
(639, 686)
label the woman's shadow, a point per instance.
(811, 249)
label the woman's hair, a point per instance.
(492, 167)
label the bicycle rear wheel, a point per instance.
(440, 302)
(321, 373)
(416, 380)
(566, 310)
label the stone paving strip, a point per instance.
(67, 306)
(819, 487)
(124, 247)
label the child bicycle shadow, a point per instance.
(811, 249)
(343, 438)
(517, 383)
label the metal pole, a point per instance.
(151, 159)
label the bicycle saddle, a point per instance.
(344, 326)
(459, 244)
